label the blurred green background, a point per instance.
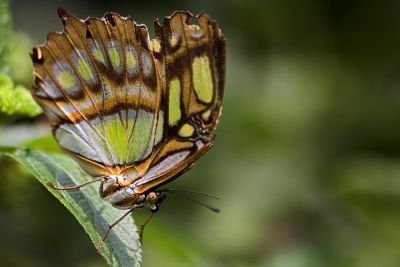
(307, 155)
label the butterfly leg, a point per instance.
(144, 224)
(101, 244)
(74, 187)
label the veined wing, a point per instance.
(98, 84)
(191, 60)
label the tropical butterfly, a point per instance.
(134, 113)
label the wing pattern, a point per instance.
(99, 86)
(191, 59)
(124, 104)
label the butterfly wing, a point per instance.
(191, 60)
(99, 86)
(123, 104)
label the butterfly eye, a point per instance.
(152, 198)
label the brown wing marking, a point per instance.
(175, 60)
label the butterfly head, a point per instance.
(123, 196)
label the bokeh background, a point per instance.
(307, 156)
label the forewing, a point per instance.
(99, 86)
(191, 60)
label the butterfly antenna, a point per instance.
(175, 192)
(190, 191)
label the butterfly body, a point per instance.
(135, 112)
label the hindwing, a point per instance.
(191, 59)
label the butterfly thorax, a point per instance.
(123, 195)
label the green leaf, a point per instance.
(122, 247)
(5, 36)
(15, 101)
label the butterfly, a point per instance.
(135, 113)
